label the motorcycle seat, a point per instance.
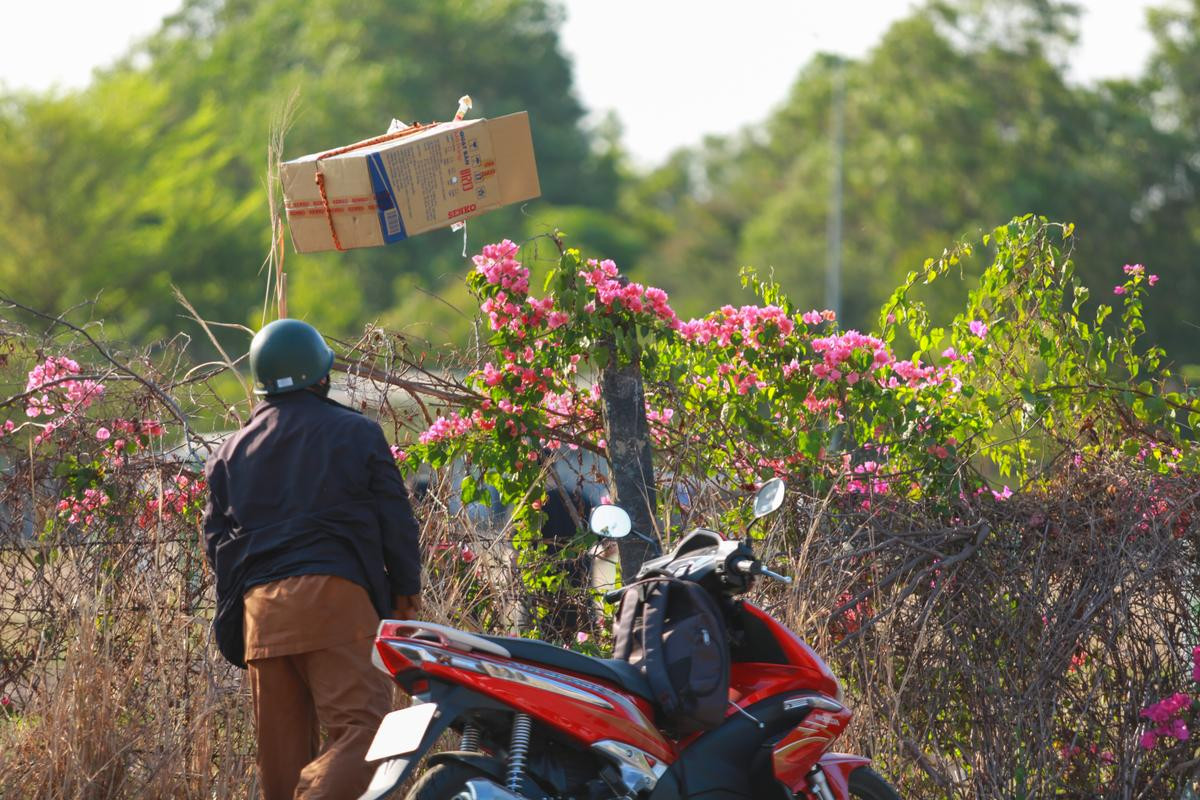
(621, 673)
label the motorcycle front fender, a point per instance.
(837, 768)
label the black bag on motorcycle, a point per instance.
(674, 632)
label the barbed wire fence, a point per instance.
(990, 648)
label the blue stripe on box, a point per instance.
(390, 223)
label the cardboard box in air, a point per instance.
(385, 192)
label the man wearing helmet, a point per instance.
(310, 532)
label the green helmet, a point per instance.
(288, 355)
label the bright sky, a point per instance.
(672, 69)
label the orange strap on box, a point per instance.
(320, 177)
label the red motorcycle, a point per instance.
(540, 721)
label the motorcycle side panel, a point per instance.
(580, 707)
(805, 669)
(752, 683)
(796, 753)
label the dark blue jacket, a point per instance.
(307, 487)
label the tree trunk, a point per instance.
(630, 457)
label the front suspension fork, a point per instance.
(819, 784)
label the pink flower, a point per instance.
(1148, 740)
(1118, 290)
(1196, 664)
(1167, 709)
(491, 375)
(8, 426)
(1003, 494)
(979, 328)
(500, 268)
(1153, 279)
(449, 427)
(1178, 729)
(581, 637)
(53, 374)
(102, 434)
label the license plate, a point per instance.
(387, 777)
(401, 732)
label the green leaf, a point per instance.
(468, 490)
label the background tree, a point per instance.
(961, 117)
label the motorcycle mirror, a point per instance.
(769, 497)
(610, 521)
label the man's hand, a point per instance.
(406, 606)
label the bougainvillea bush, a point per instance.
(991, 402)
(991, 518)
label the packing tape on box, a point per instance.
(320, 176)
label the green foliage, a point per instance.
(1049, 377)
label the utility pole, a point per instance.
(833, 274)
(630, 456)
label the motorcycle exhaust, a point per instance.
(480, 789)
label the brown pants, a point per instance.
(336, 688)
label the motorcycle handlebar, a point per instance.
(756, 568)
(775, 575)
(745, 566)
